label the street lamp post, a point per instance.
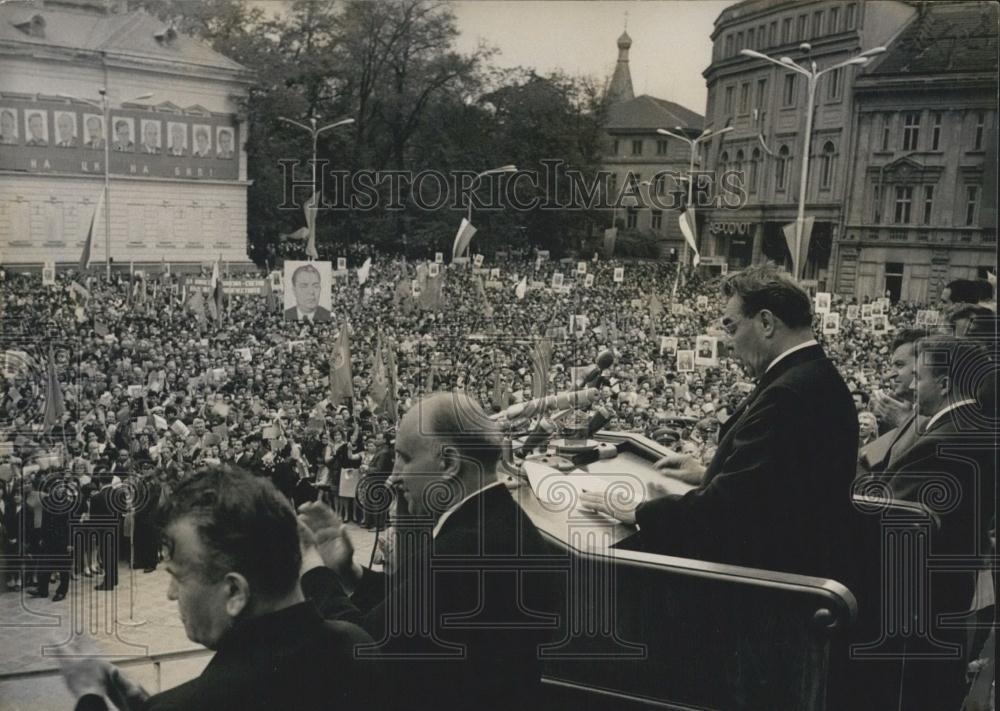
(314, 135)
(105, 106)
(693, 148)
(812, 76)
(475, 181)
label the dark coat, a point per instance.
(286, 659)
(777, 494)
(320, 315)
(486, 666)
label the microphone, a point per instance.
(598, 420)
(537, 436)
(605, 360)
(572, 399)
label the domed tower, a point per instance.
(620, 88)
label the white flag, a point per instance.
(462, 239)
(363, 271)
(688, 229)
(522, 288)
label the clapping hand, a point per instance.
(888, 408)
(332, 542)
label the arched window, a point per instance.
(722, 167)
(826, 165)
(754, 167)
(780, 168)
(738, 167)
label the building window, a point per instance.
(637, 147)
(727, 107)
(928, 203)
(772, 34)
(803, 22)
(833, 84)
(826, 166)
(739, 41)
(971, 203)
(817, 23)
(754, 167)
(936, 131)
(877, 205)
(729, 46)
(886, 130)
(613, 185)
(761, 36)
(744, 98)
(660, 185)
(750, 38)
(631, 218)
(723, 162)
(657, 221)
(761, 92)
(780, 168)
(786, 30)
(852, 15)
(904, 199)
(788, 95)
(911, 130)
(738, 166)
(833, 23)
(977, 144)
(661, 146)
(614, 148)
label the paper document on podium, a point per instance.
(552, 486)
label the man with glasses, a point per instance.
(776, 494)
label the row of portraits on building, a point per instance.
(129, 135)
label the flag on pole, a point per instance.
(311, 208)
(341, 382)
(689, 229)
(54, 404)
(462, 239)
(364, 271)
(88, 246)
(522, 287)
(798, 259)
(541, 361)
(429, 384)
(610, 236)
(391, 409)
(380, 382)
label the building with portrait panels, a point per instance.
(635, 152)
(921, 207)
(765, 106)
(178, 168)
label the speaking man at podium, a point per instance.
(776, 495)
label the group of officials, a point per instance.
(296, 621)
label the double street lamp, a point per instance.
(105, 106)
(314, 133)
(812, 75)
(693, 144)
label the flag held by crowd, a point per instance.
(462, 239)
(689, 228)
(88, 246)
(311, 207)
(55, 406)
(341, 382)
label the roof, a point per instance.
(93, 29)
(649, 113)
(944, 38)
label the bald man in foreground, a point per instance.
(451, 618)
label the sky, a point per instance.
(671, 43)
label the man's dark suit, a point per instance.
(286, 659)
(107, 551)
(484, 613)
(320, 315)
(951, 468)
(777, 493)
(54, 543)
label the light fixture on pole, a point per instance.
(475, 181)
(105, 106)
(314, 135)
(693, 144)
(812, 75)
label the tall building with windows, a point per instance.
(635, 153)
(173, 128)
(921, 204)
(765, 106)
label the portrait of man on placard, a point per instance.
(831, 322)
(202, 141)
(38, 128)
(307, 291)
(150, 137)
(706, 351)
(122, 142)
(8, 127)
(685, 361)
(177, 133)
(66, 129)
(224, 142)
(93, 126)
